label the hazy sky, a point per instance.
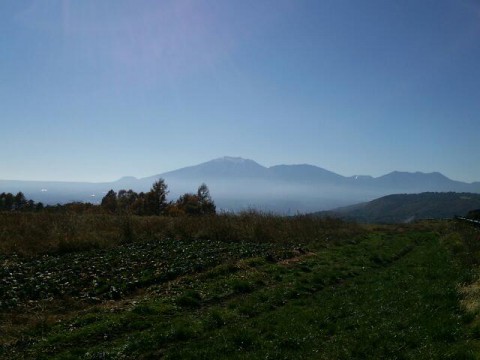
(95, 90)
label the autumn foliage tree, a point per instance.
(156, 199)
(154, 202)
(200, 203)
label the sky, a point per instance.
(96, 90)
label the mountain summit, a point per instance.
(222, 167)
(233, 160)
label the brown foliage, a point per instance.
(37, 233)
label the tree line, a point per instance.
(18, 202)
(154, 202)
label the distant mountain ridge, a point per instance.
(404, 208)
(236, 183)
(226, 166)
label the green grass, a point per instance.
(389, 293)
(406, 308)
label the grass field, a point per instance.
(335, 291)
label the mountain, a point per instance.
(402, 208)
(236, 183)
(420, 182)
(305, 173)
(222, 167)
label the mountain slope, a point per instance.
(401, 208)
(419, 182)
(305, 173)
(222, 167)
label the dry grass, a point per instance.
(471, 297)
(29, 234)
(37, 233)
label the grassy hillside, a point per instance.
(402, 208)
(283, 288)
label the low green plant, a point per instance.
(190, 298)
(389, 292)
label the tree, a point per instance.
(5, 203)
(196, 204)
(20, 201)
(189, 204)
(156, 199)
(138, 206)
(207, 206)
(126, 199)
(109, 202)
(39, 206)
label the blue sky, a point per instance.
(95, 90)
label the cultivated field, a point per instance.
(249, 286)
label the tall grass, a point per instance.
(39, 233)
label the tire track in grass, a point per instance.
(407, 310)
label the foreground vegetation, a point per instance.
(244, 286)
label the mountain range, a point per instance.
(236, 183)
